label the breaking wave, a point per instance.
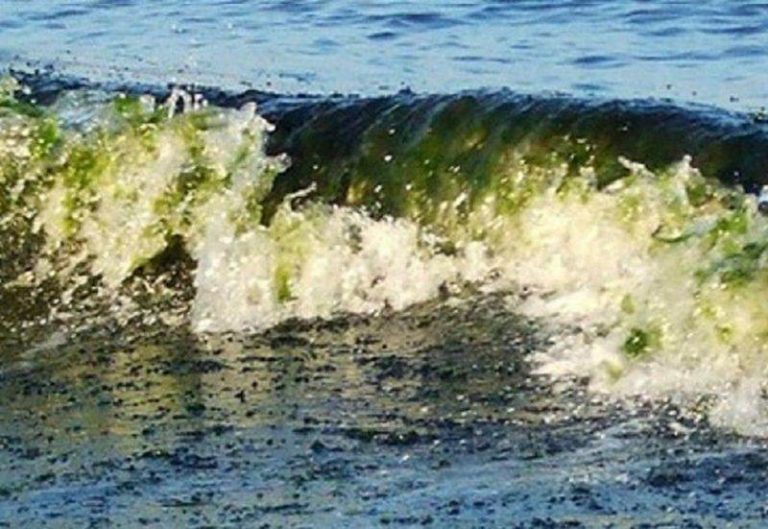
(632, 228)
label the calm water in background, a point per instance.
(710, 52)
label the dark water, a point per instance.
(711, 52)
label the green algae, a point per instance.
(641, 342)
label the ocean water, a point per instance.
(707, 52)
(444, 263)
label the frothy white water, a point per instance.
(642, 316)
(315, 264)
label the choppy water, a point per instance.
(711, 52)
(223, 307)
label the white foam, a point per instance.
(316, 263)
(585, 259)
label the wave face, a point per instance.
(623, 225)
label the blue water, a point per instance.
(711, 51)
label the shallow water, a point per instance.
(707, 52)
(429, 417)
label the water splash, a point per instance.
(654, 281)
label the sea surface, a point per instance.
(707, 51)
(383, 264)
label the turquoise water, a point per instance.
(709, 52)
